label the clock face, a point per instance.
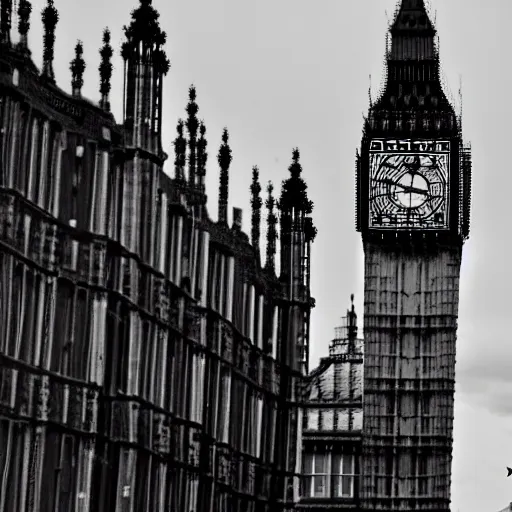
(408, 189)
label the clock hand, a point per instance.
(386, 181)
(413, 190)
(405, 187)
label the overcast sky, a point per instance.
(286, 73)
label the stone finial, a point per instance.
(24, 11)
(256, 203)
(352, 320)
(5, 21)
(50, 18)
(224, 158)
(105, 70)
(270, 203)
(180, 150)
(202, 157)
(192, 126)
(77, 68)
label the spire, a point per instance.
(180, 149)
(294, 189)
(105, 70)
(271, 230)
(224, 158)
(144, 28)
(294, 197)
(412, 16)
(202, 157)
(5, 21)
(256, 203)
(24, 11)
(192, 126)
(412, 99)
(145, 64)
(412, 32)
(77, 68)
(50, 18)
(352, 320)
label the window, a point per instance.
(126, 479)
(63, 327)
(224, 405)
(317, 473)
(343, 475)
(329, 475)
(312, 416)
(68, 470)
(32, 176)
(79, 350)
(45, 178)
(161, 245)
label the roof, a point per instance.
(412, 16)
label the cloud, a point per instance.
(486, 382)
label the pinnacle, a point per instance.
(412, 15)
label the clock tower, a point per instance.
(413, 202)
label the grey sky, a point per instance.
(286, 73)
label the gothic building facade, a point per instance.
(413, 206)
(333, 424)
(148, 359)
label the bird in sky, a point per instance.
(509, 471)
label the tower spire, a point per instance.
(50, 18)
(24, 11)
(352, 320)
(145, 30)
(77, 68)
(256, 203)
(294, 191)
(412, 32)
(412, 99)
(271, 230)
(224, 158)
(202, 157)
(180, 150)
(192, 126)
(105, 70)
(5, 21)
(145, 65)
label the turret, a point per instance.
(256, 203)
(145, 64)
(5, 21)
(50, 17)
(192, 126)
(77, 68)
(224, 158)
(24, 11)
(297, 232)
(202, 158)
(270, 203)
(352, 323)
(180, 151)
(105, 70)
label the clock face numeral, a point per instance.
(408, 190)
